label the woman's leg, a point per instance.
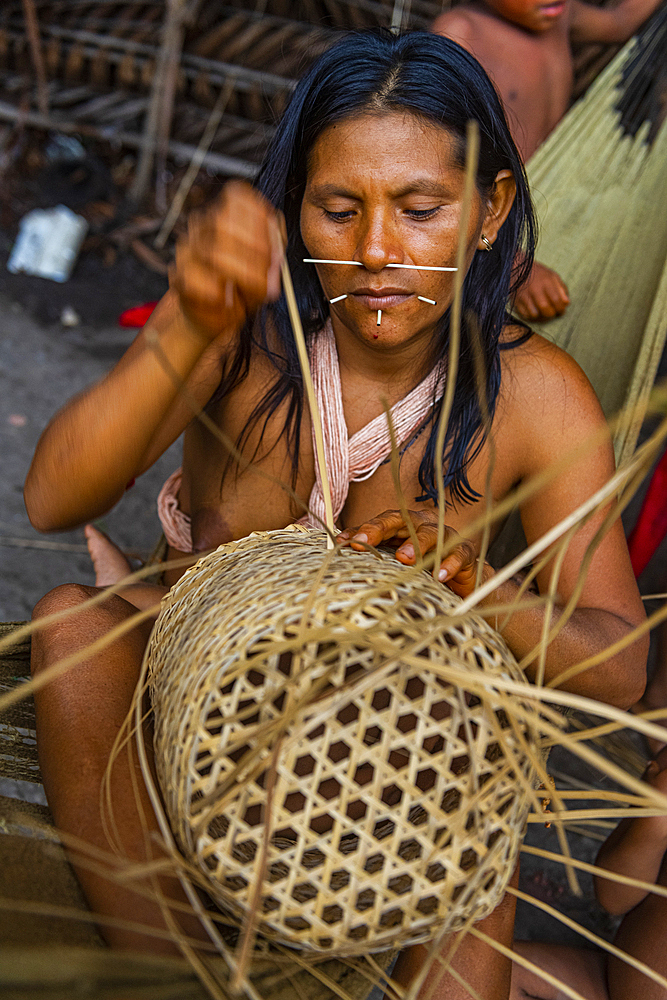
(642, 934)
(480, 965)
(79, 716)
(580, 968)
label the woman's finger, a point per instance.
(460, 562)
(427, 539)
(378, 529)
(465, 580)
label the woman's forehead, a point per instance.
(393, 144)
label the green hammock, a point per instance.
(600, 189)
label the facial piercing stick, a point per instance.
(379, 317)
(422, 267)
(357, 263)
(338, 298)
(315, 260)
(431, 302)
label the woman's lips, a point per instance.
(552, 9)
(381, 298)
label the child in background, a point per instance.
(637, 848)
(525, 47)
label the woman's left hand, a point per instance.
(458, 570)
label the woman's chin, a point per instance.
(388, 333)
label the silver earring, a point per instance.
(488, 245)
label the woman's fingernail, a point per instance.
(361, 537)
(408, 551)
(442, 575)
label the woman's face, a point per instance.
(386, 189)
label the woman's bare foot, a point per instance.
(110, 565)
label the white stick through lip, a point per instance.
(431, 302)
(357, 263)
(339, 298)
(379, 317)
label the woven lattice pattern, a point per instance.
(307, 692)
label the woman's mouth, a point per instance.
(381, 298)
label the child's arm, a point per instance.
(459, 26)
(636, 849)
(609, 24)
(116, 429)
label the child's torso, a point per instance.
(532, 72)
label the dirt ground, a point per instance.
(41, 366)
(43, 363)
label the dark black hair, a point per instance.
(436, 79)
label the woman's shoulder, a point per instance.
(545, 392)
(533, 367)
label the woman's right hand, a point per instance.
(229, 262)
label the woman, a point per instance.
(366, 167)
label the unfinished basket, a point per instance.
(307, 734)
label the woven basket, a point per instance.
(306, 734)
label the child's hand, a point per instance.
(458, 570)
(229, 262)
(543, 296)
(656, 776)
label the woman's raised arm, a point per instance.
(101, 439)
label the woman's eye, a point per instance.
(339, 216)
(422, 213)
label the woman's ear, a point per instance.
(499, 204)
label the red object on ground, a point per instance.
(651, 525)
(137, 315)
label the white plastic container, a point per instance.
(48, 243)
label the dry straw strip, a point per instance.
(472, 154)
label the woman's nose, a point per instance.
(378, 243)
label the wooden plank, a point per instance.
(99, 104)
(18, 739)
(91, 42)
(20, 818)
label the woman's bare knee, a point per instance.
(77, 623)
(67, 595)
